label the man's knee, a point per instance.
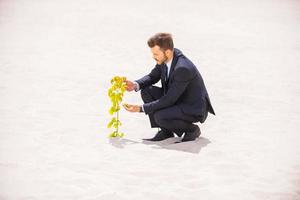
(145, 94)
(151, 93)
(145, 91)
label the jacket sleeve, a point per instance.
(182, 78)
(150, 79)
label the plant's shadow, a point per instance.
(170, 144)
(121, 142)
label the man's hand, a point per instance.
(130, 86)
(132, 108)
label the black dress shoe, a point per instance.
(190, 136)
(161, 135)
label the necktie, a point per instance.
(166, 72)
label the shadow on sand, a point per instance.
(189, 147)
(121, 142)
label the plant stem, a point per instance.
(117, 122)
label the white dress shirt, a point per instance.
(169, 66)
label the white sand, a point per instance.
(56, 60)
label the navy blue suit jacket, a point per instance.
(184, 88)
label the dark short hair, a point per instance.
(163, 40)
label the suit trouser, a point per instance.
(170, 119)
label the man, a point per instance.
(181, 101)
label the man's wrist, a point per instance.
(136, 86)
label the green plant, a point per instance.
(115, 93)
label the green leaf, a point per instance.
(112, 110)
(113, 134)
(112, 121)
(115, 125)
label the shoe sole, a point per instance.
(151, 140)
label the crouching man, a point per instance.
(181, 101)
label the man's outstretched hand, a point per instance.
(132, 108)
(130, 86)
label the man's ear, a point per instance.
(169, 52)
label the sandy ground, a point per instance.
(56, 60)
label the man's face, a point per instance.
(158, 55)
